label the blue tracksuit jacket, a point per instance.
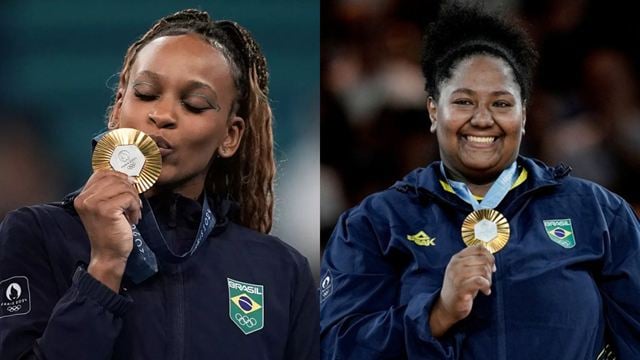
(51, 308)
(567, 284)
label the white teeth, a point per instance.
(481, 139)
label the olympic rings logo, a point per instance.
(14, 308)
(245, 320)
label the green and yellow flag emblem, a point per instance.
(561, 232)
(246, 305)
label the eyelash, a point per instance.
(193, 109)
(190, 108)
(145, 97)
(462, 102)
(500, 104)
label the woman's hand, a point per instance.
(467, 273)
(108, 205)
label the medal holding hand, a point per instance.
(125, 162)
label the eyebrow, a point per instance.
(150, 74)
(192, 84)
(471, 92)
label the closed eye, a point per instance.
(197, 104)
(145, 97)
(194, 109)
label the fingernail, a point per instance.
(131, 179)
(494, 268)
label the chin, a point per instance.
(481, 164)
(166, 180)
(481, 171)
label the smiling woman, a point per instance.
(185, 270)
(479, 119)
(485, 254)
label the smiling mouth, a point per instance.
(481, 139)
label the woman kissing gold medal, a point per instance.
(131, 152)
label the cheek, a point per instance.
(205, 139)
(132, 113)
(514, 126)
(448, 125)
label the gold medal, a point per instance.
(131, 152)
(486, 227)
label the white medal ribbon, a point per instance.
(494, 196)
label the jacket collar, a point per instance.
(426, 181)
(225, 210)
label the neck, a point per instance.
(477, 188)
(190, 189)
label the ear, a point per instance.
(524, 116)
(231, 141)
(114, 120)
(432, 108)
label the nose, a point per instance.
(163, 115)
(482, 118)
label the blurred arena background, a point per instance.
(585, 109)
(60, 62)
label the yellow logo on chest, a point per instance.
(422, 239)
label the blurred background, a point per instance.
(60, 63)
(585, 109)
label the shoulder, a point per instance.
(595, 201)
(585, 189)
(23, 232)
(577, 194)
(264, 245)
(369, 226)
(568, 185)
(404, 199)
(32, 218)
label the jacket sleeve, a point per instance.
(40, 319)
(304, 340)
(620, 283)
(360, 316)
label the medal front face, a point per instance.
(486, 227)
(127, 159)
(131, 152)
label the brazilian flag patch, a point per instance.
(246, 305)
(561, 232)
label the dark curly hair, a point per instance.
(462, 31)
(247, 176)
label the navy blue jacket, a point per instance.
(562, 290)
(51, 308)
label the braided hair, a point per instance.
(246, 177)
(462, 31)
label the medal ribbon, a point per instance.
(142, 262)
(494, 196)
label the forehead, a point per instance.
(482, 73)
(187, 57)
